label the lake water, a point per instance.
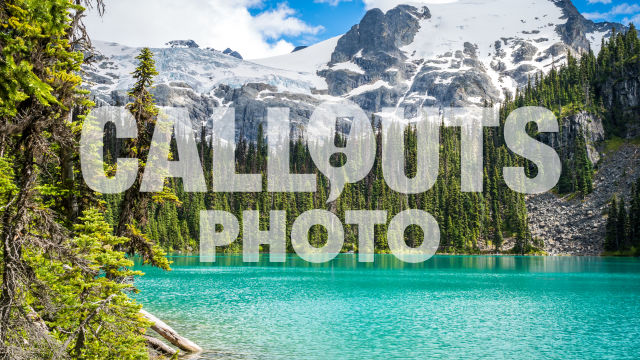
(462, 307)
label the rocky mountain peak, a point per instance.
(460, 53)
(380, 33)
(183, 44)
(576, 29)
(233, 53)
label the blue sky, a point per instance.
(335, 19)
(610, 10)
(263, 28)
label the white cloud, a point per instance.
(330, 2)
(211, 23)
(594, 15)
(622, 9)
(634, 19)
(386, 5)
(282, 21)
(625, 9)
(599, 1)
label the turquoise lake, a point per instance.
(451, 307)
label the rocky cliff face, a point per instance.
(233, 53)
(622, 91)
(184, 44)
(371, 48)
(379, 33)
(252, 100)
(581, 124)
(572, 224)
(569, 226)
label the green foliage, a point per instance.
(611, 241)
(566, 90)
(583, 167)
(143, 105)
(623, 224)
(144, 73)
(613, 144)
(92, 312)
(618, 60)
(634, 216)
(7, 181)
(66, 283)
(26, 24)
(132, 216)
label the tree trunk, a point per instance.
(160, 347)
(171, 335)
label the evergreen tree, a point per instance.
(583, 166)
(635, 216)
(611, 240)
(92, 314)
(135, 204)
(623, 226)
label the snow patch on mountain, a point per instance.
(348, 66)
(308, 60)
(202, 70)
(482, 23)
(369, 87)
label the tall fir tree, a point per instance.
(135, 203)
(611, 239)
(623, 226)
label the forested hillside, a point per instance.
(469, 222)
(585, 84)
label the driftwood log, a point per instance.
(171, 335)
(159, 347)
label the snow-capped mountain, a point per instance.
(461, 53)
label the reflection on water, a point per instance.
(459, 263)
(450, 306)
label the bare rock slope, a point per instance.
(576, 226)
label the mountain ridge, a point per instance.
(407, 57)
